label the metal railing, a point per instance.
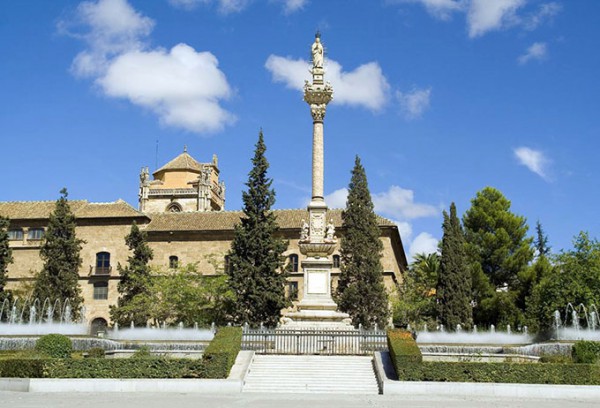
(314, 341)
(100, 270)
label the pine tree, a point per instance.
(454, 279)
(360, 290)
(60, 251)
(6, 257)
(541, 240)
(498, 252)
(255, 259)
(134, 279)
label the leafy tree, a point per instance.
(6, 257)
(134, 279)
(498, 251)
(60, 251)
(416, 305)
(360, 290)
(575, 278)
(541, 240)
(255, 259)
(182, 295)
(454, 283)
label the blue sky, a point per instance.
(440, 98)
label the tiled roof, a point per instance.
(225, 220)
(27, 210)
(182, 162)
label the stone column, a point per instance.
(317, 155)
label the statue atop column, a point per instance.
(317, 52)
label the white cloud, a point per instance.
(337, 199)
(400, 203)
(365, 86)
(224, 6)
(423, 243)
(182, 86)
(546, 12)
(291, 6)
(534, 160)
(488, 15)
(441, 9)
(414, 103)
(537, 51)
(484, 16)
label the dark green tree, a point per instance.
(541, 240)
(574, 278)
(134, 279)
(360, 290)
(60, 251)
(6, 257)
(454, 282)
(416, 305)
(256, 263)
(497, 251)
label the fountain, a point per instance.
(584, 323)
(26, 318)
(460, 336)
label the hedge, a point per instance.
(23, 367)
(403, 348)
(586, 352)
(222, 351)
(523, 373)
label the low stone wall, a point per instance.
(480, 358)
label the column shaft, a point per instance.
(317, 161)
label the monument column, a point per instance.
(317, 240)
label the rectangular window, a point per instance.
(15, 234)
(35, 233)
(293, 290)
(100, 290)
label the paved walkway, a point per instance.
(151, 400)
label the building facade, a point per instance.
(182, 211)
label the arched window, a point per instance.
(15, 234)
(173, 262)
(293, 262)
(102, 263)
(174, 207)
(98, 325)
(100, 290)
(336, 261)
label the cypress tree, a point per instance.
(5, 256)
(360, 290)
(134, 279)
(454, 279)
(541, 240)
(60, 251)
(255, 259)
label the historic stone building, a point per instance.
(181, 209)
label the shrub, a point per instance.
(141, 353)
(403, 348)
(22, 368)
(556, 359)
(524, 373)
(586, 352)
(222, 351)
(55, 346)
(96, 352)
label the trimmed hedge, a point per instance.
(222, 351)
(403, 348)
(55, 346)
(23, 367)
(525, 373)
(586, 352)
(125, 368)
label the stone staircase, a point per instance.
(311, 374)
